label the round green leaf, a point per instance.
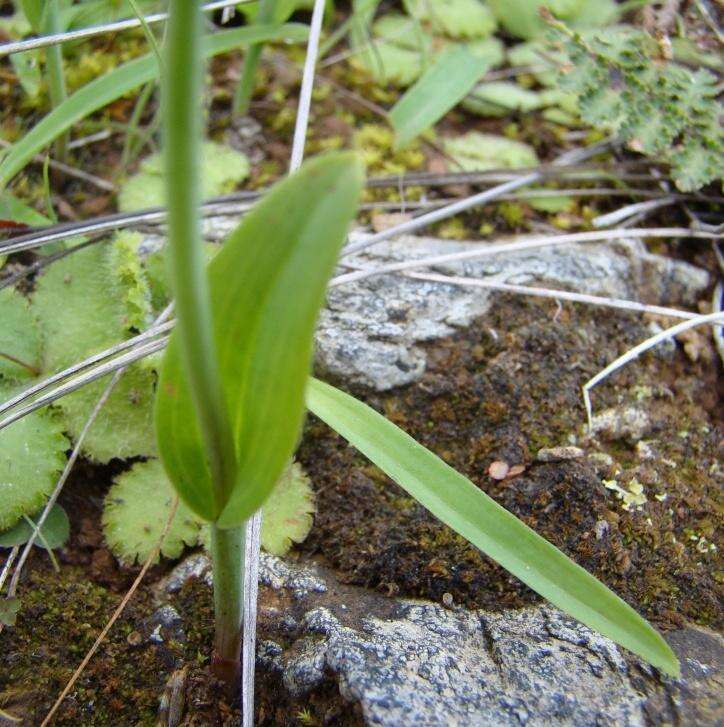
(53, 534)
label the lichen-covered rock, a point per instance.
(420, 663)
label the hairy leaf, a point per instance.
(32, 455)
(19, 337)
(288, 511)
(222, 168)
(281, 255)
(82, 306)
(478, 518)
(136, 510)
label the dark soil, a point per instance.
(498, 391)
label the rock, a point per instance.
(413, 662)
(558, 454)
(371, 330)
(629, 422)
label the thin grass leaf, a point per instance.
(443, 85)
(267, 285)
(106, 89)
(469, 511)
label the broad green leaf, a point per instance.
(120, 81)
(32, 455)
(84, 304)
(19, 337)
(267, 285)
(454, 18)
(500, 535)
(55, 530)
(443, 85)
(136, 510)
(222, 168)
(476, 152)
(33, 10)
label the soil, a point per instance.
(499, 391)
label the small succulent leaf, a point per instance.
(32, 455)
(454, 18)
(54, 532)
(82, 305)
(19, 337)
(458, 503)
(135, 513)
(443, 85)
(288, 511)
(477, 152)
(267, 285)
(222, 168)
(9, 609)
(499, 98)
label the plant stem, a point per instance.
(245, 89)
(182, 117)
(56, 79)
(227, 552)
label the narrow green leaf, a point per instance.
(267, 285)
(445, 83)
(55, 530)
(122, 80)
(468, 510)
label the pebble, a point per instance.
(559, 454)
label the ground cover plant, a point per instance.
(216, 419)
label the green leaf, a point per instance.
(9, 608)
(19, 337)
(138, 504)
(136, 510)
(120, 81)
(499, 98)
(443, 85)
(54, 533)
(222, 168)
(454, 18)
(32, 455)
(84, 305)
(522, 18)
(281, 255)
(288, 511)
(476, 152)
(500, 535)
(11, 208)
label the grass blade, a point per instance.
(122, 80)
(469, 511)
(443, 85)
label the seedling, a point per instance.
(233, 382)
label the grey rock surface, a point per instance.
(418, 663)
(370, 331)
